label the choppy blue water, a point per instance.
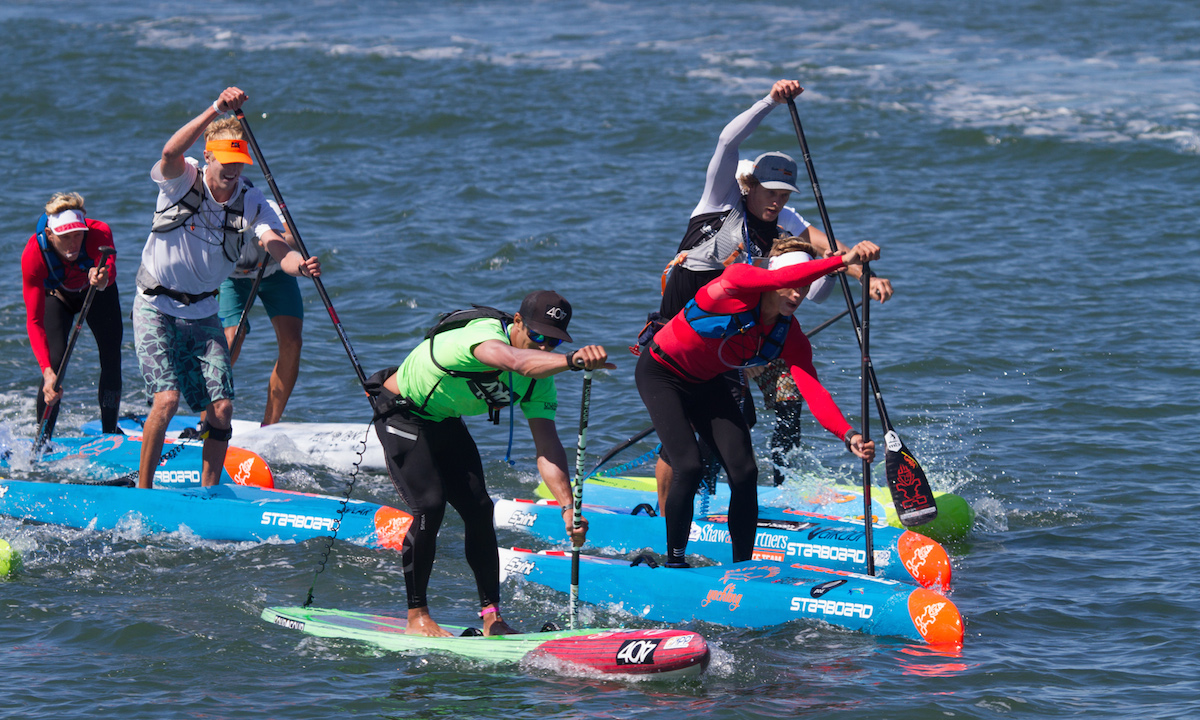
(1029, 167)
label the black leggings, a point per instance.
(104, 320)
(430, 464)
(677, 407)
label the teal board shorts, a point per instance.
(190, 356)
(279, 292)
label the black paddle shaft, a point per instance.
(287, 218)
(868, 367)
(866, 417)
(43, 436)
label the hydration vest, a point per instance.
(54, 264)
(486, 385)
(233, 226)
(717, 326)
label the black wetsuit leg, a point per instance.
(676, 407)
(432, 464)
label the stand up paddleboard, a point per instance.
(954, 519)
(235, 513)
(109, 456)
(754, 594)
(782, 536)
(334, 445)
(661, 653)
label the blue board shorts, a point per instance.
(189, 356)
(279, 292)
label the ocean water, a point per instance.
(1030, 169)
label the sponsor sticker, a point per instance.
(522, 519)
(678, 641)
(724, 596)
(302, 522)
(819, 590)
(289, 623)
(637, 652)
(517, 565)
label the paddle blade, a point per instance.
(911, 493)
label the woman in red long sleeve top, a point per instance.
(57, 267)
(741, 319)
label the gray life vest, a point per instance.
(713, 252)
(233, 226)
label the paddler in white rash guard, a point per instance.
(199, 224)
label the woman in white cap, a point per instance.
(742, 211)
(741, 319)
(60, 262)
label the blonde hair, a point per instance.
(792, 244)
(64, 201)
(227, 128)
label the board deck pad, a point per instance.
(608, 651)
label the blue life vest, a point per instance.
(58, 271)
(715, 326)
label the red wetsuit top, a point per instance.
(34, 273)
(739, 289)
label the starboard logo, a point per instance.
(177, 477)
(517, 565)
(724, 596)
(819, 590)
(303, 522)
(928, 617)
(245, 471)
(637, 652)
(919, 556)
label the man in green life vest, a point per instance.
(471, 363)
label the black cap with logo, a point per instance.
(547, 313)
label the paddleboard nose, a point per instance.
(935, 617)
(925, 559)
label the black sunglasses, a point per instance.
(539, 339)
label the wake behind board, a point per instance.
(781, 535)
(954, 519)
(236, 513)
(333, 445)
(108, 456)
(662, 653)
(755, 594)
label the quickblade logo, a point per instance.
(724, 596)
(637, 652)
(177, 477)
(819, 590)
(303, 522)
(517, 565)
(522, 518)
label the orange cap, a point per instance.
(228, 150)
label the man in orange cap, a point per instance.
(202, 218)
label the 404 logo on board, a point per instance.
(637, 652)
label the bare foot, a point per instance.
(420, 623)
(493, 624)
